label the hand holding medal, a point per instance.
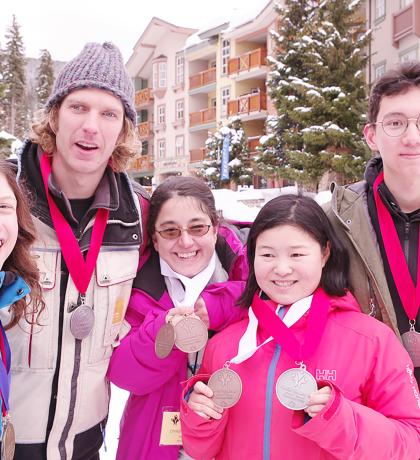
(183, 328)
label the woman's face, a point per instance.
(288, 263)
(8, 220)
(187, 254)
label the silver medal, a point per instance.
(294, 387)
(81, 321)
(411, 341)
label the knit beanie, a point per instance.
(97, 66)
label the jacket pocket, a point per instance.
(33, 345)
(115, 271)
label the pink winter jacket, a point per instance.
(374, 412)
(155, 384)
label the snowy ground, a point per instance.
(232, 204)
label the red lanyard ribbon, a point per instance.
(409, 294)
(80, 270)
(317, 320)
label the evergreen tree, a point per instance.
(318, 87)
(15, 82)
(2, 89)
(240, 171)
(45, 78)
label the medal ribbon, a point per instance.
(80, 270)
(4, 371)
(317, 320)
(409, 294)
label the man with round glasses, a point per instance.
(378, 218)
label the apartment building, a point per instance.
(189, 82)
(157, 67)
(395, 26)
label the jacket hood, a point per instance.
(373, 168)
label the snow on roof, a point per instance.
(6, 135)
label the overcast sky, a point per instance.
(64, 27)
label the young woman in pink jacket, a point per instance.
(196, 264)
(306, 375)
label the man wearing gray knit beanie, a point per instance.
(89, 218)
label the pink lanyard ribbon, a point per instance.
(409, 294)
(317, 320)
(80, 270)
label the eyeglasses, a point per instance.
(173, 233)
(396, 125)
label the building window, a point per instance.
(380, 69)
(162, 74)
(179, 78)
(179, 109)
(405, 3)
(159, 74)
(225, 96)
(161, 148)
(144, 148)
(213, 103)
(225, 56)
(179, 146)
(409, 55)
(161, 114)
(379, 9)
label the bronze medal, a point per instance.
(190, 334)
(411, 341)
(165, 339)
(81, 321)
(294, 387)
(226, 386)
(7, 440)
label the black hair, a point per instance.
(186, 186)
(303, 213)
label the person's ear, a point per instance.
(369, 132)
(326, 254)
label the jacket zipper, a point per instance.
(406, 240)
(269, 396)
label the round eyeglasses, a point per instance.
(173, 233)
(396, 125)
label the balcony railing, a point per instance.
(142, 163)
(247, 104)
(203, 116)
(203, 78)
(406, 22)
(247, 61)
(145, 129)
(144, 97)
(197, 155)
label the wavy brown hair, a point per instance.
(128, 144)
(21, 261)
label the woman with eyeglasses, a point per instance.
(188, 281)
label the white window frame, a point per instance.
(162, 74)
(225, 56)
(161, 147)
(213, 102)
(410, 54)
(380, 9)
(161, 114)
(179, 146)
(180, 67)
(179, 109)
(380, 69)
(155, 77)
(224, 99)
(405, 3)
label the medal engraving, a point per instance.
(165, 340)
(411, 341)
(190, 334)
(294, 387)
(7, 441)
(81, 321)
(226, 386)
